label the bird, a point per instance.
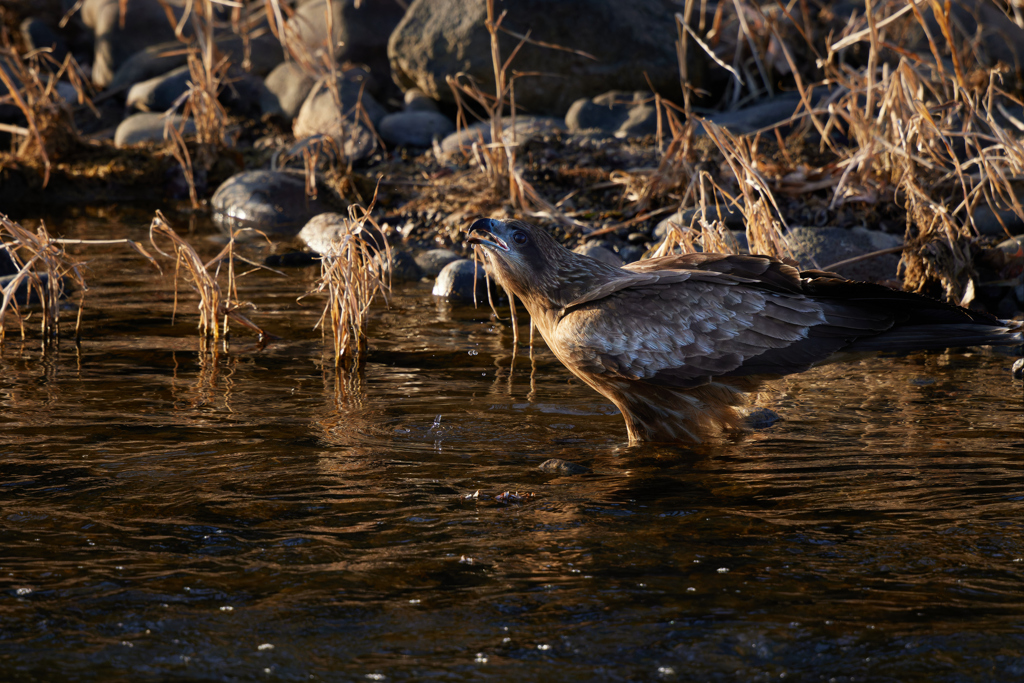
(676, 342)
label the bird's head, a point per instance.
(529, 262)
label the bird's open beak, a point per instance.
(480, 233)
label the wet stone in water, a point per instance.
(274, 202)
(455, 282)
(559, 466)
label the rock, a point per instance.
(631, 253)
(360, 31)
(287, 87)
(986, 25)
(526, 127)
(241, 92)
(147, 127)
(145, 23)
(1018, 368)
(599, 253)
(759, 418)
(682, 219)
(264, 54)
(821, 247)
(989, 222)
(320, 115)
(159, 93)
(414, 128)
(756, 116)
(24, 293)
(455, 282)
(630, 40)
(292, 259)
(320, 232)
(38, 35)
(274, 202)
(564, 467)
(432, 262)
(404, 267)
(619, 113)
(416, 100)
(7, 265)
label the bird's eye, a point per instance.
(520, 238)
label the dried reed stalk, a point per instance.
(43, 265)
(216, 305)
(352, 273)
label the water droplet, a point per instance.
(473, 352)
(23, 591)
(723, 570)
(265, 646)
(227, 608)
(543, 646)
(481, 658)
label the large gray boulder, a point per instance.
(360, 31)
(438, 38)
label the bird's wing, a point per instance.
(682, 328)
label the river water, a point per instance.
(172, 511)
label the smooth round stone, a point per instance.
(821, 247)
(272, 201)
(147, 127)
(414, 128)
(404, 267)
(599, 253)
(1018, 368)
(417, 100)
(288, 85)
(322, 230)
(455, 282)
(432, 262)
(631, 253)
(159, 93)
(526, 127)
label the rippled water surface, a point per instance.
(171, 512)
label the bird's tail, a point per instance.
(943, 336)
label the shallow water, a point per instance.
(172, 512)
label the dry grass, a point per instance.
(42, 266)
(217, 305)
(31, 82)
(352, 273)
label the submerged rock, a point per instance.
(559, 466)
(760, 418)
(274, 202)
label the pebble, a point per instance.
(623, 114)
(526, 127)
(287, 85)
